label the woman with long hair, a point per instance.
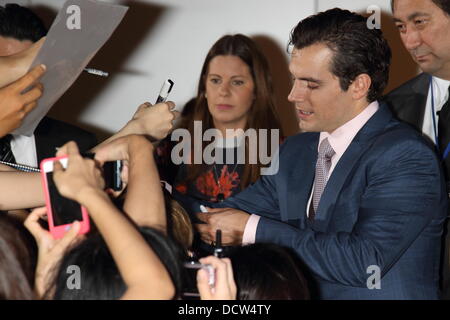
(234, 93)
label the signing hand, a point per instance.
(231, 221)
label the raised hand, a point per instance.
(14, 104)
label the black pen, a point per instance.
(218, 250)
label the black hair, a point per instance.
(444, 5)
(20, 23)
(357, 49)
(266, 271)
(100, 277)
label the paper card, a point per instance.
(81, 28)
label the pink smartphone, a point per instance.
(61, 212)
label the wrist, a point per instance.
(139, 148)
(132, 127)
(90, 194)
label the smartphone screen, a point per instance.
(111, 174)
(64, 211)
(190, 281)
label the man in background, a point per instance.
(424, 101)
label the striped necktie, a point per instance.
(6, 154)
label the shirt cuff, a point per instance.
(249, 236)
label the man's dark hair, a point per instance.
(20, 23)
(443, 4)
(357, 49)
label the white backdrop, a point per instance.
(170, 38)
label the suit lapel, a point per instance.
(408, 102)
(300, 182)
(418, 100)
(341, 172)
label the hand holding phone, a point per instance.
(190, 284)
(50, 249)
(61, 211)
(111, 172)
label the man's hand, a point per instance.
(15, 105)
(231, 221)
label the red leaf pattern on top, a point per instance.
(208, 185)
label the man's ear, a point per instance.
(360, 86)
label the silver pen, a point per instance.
(96, 72)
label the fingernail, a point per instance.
(44, 67)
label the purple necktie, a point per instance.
(323, 166)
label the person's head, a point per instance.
(235, 87)
(100, 277)
(339, 66)
(265, 271)
(16, 274)
(235, 92)
(423, 27)
(179, 225)
(19, 29)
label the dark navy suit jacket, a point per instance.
(52, 133)
(384, 205)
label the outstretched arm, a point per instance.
(142, 271)
(144, 202)
(20, 190)
(152, 121)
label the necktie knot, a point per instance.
(325, 150)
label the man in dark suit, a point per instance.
(358, 196)
(19, 29)
(424, 101)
